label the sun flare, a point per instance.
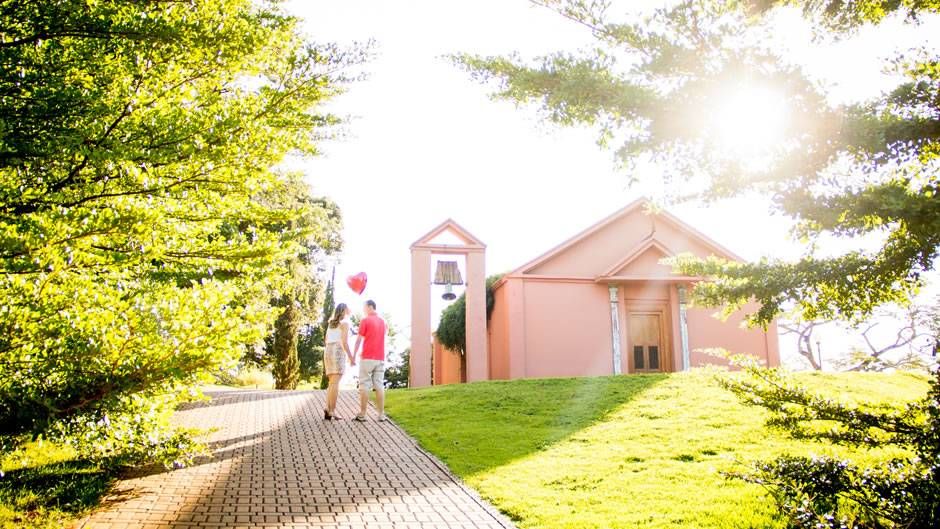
(750, 122)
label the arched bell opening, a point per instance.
(449, 245)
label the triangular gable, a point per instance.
(579, 237)
(647, 264)
(648, 245)
(660, 215)
(719, 250)
(449, 226)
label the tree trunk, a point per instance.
(286, 363)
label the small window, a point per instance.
(654, 357)
(638, 357)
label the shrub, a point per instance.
(253, 377)
(451, 330)
(396, 376)
(822, 492)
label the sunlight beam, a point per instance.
(748, 123)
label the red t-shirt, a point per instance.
(372, 330)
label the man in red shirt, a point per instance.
(372, 331)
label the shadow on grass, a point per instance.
(476, 427)
(69, 488)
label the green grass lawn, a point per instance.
(628, 451)
(44, 487)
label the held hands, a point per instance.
(352, 360)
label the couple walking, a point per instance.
(371, 338)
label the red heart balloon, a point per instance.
(358, 282)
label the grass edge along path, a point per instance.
(624, 451)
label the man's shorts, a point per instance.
(371, 374)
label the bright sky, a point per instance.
(427, 143)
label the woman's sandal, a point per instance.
(327, 416)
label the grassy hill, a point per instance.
(628, 451)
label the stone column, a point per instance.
(615, 327)
(420, 361)
(477, 360)
(684, 329)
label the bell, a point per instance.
(449, 292)
(448, 274)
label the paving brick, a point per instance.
(277, 464)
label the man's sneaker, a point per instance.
(383, 419)
(360, 418)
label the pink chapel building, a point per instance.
(600, 303)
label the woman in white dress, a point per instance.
(334, 357)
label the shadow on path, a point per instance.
(219, 397)
(277, 464)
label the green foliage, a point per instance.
(833, 492)
(286, 365)
(623, 451)
(319, 340)
(652, 87)
(398, 373)
(451, 329)
(843, 16)
(247, 376)
(44, 486)
(310, 353)
(302, 297)
(144, 226)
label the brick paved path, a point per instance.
(277, 464)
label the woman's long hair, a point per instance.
(338, 315)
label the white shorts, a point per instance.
(371, 374)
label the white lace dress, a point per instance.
(334, 356)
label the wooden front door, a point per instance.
(646, 347)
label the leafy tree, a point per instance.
(139, 146)
(286, 364)
(399, 373)
(452, 327)
(300, 300)
(653, 87)
(822, 492)
(319, 339)
(309, 353)
(329, 307)
(392, 331)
